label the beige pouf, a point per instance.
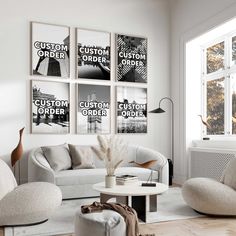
(102, 223)
(209, 196)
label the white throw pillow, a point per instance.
(229, 174)
(82, 157)
(58, 157)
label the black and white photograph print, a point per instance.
(50, 107)
(131, 59)
(93, 54)
(131, 110)
(50, 50)
(93, 109)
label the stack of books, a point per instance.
(126, 179)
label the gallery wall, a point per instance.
(148, 18)
(189, 19)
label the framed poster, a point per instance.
(50, 49)
(50, 107)
(93, 54)
(131, 58)
(131, 110)
(93, 109)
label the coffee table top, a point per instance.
(134, 189)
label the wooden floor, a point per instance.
(191, 227)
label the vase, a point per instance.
(110, 181)
(18, 151)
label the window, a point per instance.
(219, 85)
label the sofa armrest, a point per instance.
(37, 172)
(162, 166)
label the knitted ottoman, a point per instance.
(102, 223)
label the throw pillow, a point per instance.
(82, 157)
(58, 157)
(229, 174)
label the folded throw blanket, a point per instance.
(128, 213)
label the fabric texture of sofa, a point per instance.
(77, 183)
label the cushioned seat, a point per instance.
(93, 176)
(210, 196)
(78, 183)
(102, 223)
(28, 203)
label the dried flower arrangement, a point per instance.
(111, 150)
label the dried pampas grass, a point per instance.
(111, 150)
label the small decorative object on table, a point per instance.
(110, 150)
(126, 179)
(147, 165)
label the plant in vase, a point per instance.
(110, 150)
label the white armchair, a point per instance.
(210, 196)
(28, 203)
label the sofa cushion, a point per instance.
(81, 157)
(229, 175)
(58, 157)
(93, 176)
(42, 160)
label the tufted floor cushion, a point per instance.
(29, 203)
(93, 176)
(209, 196)
(102, 223)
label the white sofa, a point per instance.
(78, 183)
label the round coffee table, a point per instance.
(142, 199)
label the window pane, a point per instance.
(215, 57)
(234, 50)
(215, 106)
(233, 84)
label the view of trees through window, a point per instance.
(233, 83)
(215, 57)
(215, 106)
(234, 50)
(219, 82)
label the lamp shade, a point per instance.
(158, 110)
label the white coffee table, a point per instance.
(142, 199)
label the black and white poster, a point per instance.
(50, 107)
(93, 54)
(131, 59)
(131, 110)
(50, 50)
(93, 109)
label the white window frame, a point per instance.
(227, 72)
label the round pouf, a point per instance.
(209, 196)
(102, 223)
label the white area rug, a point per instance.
(170, 206)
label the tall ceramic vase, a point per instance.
(17, 152)
(110, 181)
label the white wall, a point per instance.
(189, 19)
(149, 18)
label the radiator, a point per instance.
(209, 162)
